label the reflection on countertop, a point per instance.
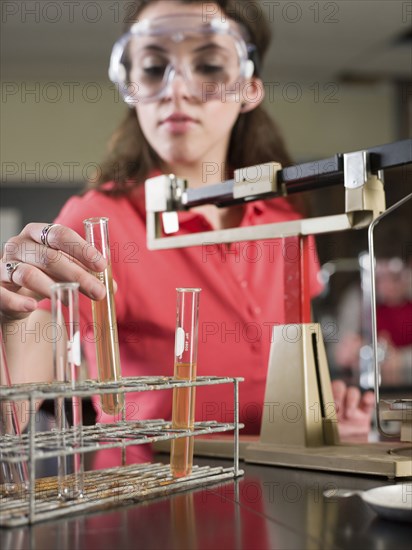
(270, 507)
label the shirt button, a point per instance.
(243, 284)
(257, 310)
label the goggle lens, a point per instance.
(211, 63)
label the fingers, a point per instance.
(349, 400)
(12, 303)
(339, 391)
(353, 410)
(367, 403)
(65, 239)
(39, 282)
(355, 401)
(352, 400)
(38, 265)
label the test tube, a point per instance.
(14, 474)
(104, 318)
(67, 360)
(183, 411)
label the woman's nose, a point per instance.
(178, 85)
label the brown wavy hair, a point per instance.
(255, 137)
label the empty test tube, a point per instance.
(185, 364)
(104, 318)
(67, 360)
(13, 473)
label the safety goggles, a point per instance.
(211, 57)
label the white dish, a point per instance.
(390, 501)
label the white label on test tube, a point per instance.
(179, 342)
(74, 350)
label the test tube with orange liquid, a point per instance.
(104, 318)
(183, 411)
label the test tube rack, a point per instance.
(105, 489)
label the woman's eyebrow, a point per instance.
(155, 47)
(210, 46)
(199, 49)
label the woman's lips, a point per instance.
(178, 123)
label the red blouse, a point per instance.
(242, 299)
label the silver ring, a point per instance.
(11, 268)
(45, 232)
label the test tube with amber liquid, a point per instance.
(183, 411)
(104, 318)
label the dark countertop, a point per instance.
(268, 508)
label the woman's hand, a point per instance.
(353, 410)
(39, 256)
(347, 350)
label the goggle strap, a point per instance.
(249, 68)
(255, 58)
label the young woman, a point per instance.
(189, 71)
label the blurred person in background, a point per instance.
(394, 327)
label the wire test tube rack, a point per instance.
(105, 489)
